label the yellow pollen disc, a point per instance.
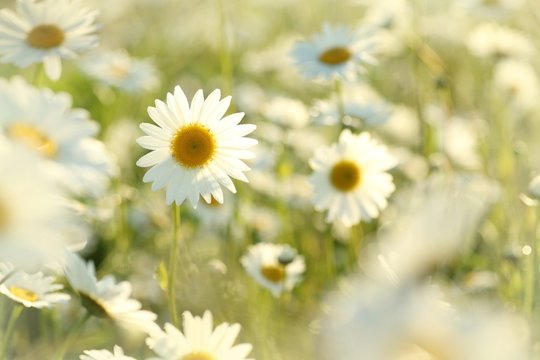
(4, 217)
(335, 56)
(193, 146)
(45, 36)
(198, 355)
(24, 294)
(33, 137)
(274, 273)
(346, 175)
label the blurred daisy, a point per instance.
(46, 31)
(35, 224)
(214, 214)
(518, 83)
(490, 9)
(32, 290)
(117, 354)
(286, 112)
(200, 341)
(497, 41)
(274, 266)
(46, 123)
(106, 298)
(335, 52)
(194, 150)
(350, 178)
(116, 68)
(381, 322)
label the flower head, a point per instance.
(46, 31)
(194, 149)
(350, 178)
(117, 354)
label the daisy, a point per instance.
(116, 68)
(274, 266)
(117, 354)
(62, 136)
(107, 298)
(200, 341)
(350, 178)
(32, 290)
(46, 31)
(194, 150)
(35, 223)
(335, 52)
(497, 41)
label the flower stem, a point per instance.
(172, 264)
(225, 57)
(15, 313)
(340, 102)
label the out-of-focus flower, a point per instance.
(194, 150)
(32, 290)
(350, 178)
(46, 31)
(436, 221)
(402, 126)
(286, 112)
(215, 214)
(63, 136)
(274, 266)
(534, 187)
(497, 41)
(106, 298)
(518, 83)
(199, 340)
(335, 52)
(35, 223)
(117, 354)
(381, 322)
(116, 68)
(488, 9)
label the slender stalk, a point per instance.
(330, 255)
(338, 87)
(38, 70)
(74, 333)
(225, 56)
(172, 264)
(355, 243)
(15, 313)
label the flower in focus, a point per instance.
(350, 178)
(200, 341)
(335, 52)
(276, 267)
(106, 298)
(194, 149)
(117, 354)
(46, 31)
(32, 290)
(63, 136)
(118, 69)
(35, 223)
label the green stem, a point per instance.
(330, 254)
(340, 102)
(225, 57)
(36, 78)
(355, 242)
(15, 313)
(172, 264)
(73, 335)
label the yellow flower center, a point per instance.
(93, 306)
(274, 273)
(45, 36)
(198, 355)
(4, 217)
(346, 175)
(193, 146)
(335, 56)
(24, 294)
(33, 137)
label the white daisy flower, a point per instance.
(195, 150)
(117, 354)
(489, 9)
(494, 40)
(63, 136)
(46, 31)
(200, 341)
(35, 224)
(276, 267)
(518, 83)
(107, 298)
(116, 68)
(350, 178)
(32, 290)
(286, 112)
(335, 52)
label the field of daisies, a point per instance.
(269, 179)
